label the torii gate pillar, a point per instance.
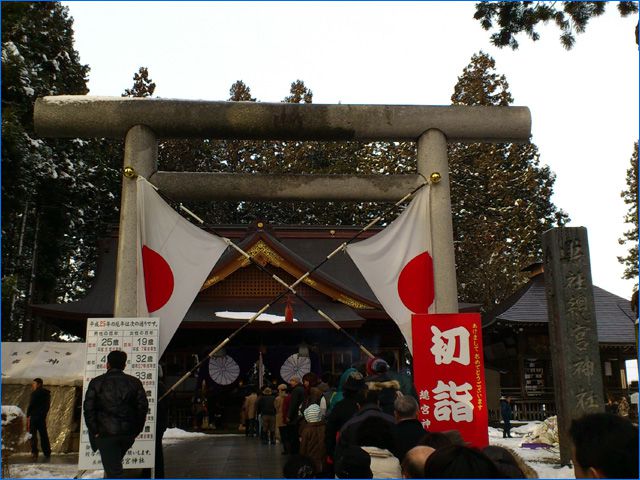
(432, 158)
(141, 154)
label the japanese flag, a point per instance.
(174, 259)
(397, 264)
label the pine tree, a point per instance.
(630, 196)
(45, 182)
(142, 85)
(518, 17)
(501, 198)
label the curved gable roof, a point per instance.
(529, 305)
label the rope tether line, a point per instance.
(288, 288)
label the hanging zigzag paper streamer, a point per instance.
(295, 366)
(223, 370)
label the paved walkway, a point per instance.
(210, 456)
(224, 456)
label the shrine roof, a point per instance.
(300, 246)
(529, 305)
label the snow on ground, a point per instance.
(50, 470)
(177, 433)
(544, 461)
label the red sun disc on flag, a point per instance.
(415, 284)
(158, 279)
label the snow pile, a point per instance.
(13, 433)
(545, 432)
(177, 433)
(9, 413)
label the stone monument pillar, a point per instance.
(573, 334)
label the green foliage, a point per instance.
(52, 190)
(513, 18)
(630, 196)
(501, 198)
(43, 182)
(59, 196)
(142, 85)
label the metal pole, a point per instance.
(141, 154)
(432, 158)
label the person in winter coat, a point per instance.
(251, 422)
(381, 381)
(266, 408)
(297, 398)
(374, 437)
(505, 413)
(39, 404)
(294, 415)
(339, 395)
(408, 430)
(115, 409)
(312, 437)
(278, 404)
(286, 431)
(351, 391)
(369, 408)
(312, 393)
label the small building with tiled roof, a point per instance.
(516, 343)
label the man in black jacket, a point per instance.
(115, 409)
(37, 418)
(408, 430)
(506, 412)
(353, 395)
(294, 414)
(369, 408)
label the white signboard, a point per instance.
(138, 338)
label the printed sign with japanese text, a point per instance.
(449, 374)
(138, 338)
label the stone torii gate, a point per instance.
(141, 122)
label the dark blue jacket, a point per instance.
(505, 409)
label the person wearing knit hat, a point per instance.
(312, 413)
(355, 382)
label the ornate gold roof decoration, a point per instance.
(263, 254)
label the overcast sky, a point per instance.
(584, 102)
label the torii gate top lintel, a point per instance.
(141, 122)
(112, 117)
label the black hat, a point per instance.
(354, 463)
(355, 382)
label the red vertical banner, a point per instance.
(448, 371)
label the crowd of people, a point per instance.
(366, 426)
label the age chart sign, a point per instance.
(449, 374)
(138, 338)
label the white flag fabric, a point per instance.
(174, 259)
(397, 264)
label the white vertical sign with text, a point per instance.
(138, 338)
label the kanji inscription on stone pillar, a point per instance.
(573, 331)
